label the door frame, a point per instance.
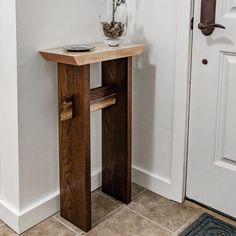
(184, 41)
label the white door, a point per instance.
(211, 177)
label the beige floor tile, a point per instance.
(166, 213)
(136, 190)
(124, 222)
(6, 231)
(102, 206)
(67, 223)
(50, 227)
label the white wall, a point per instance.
(154, 85)
(9, 168)
(160, 94)
(45, 24)
(53, 23)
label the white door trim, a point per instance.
(181, 99)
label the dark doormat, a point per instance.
(207, 225)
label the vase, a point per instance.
(113, 22)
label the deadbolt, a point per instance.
(204, 61)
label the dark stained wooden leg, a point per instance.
(116, 131)
(74, 135)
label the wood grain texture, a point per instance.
(103, 103)
(102, 97)
(74, 140)
(116, 131)
(101, 92)
(100, 53)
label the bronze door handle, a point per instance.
(203, 26)
(208, 16)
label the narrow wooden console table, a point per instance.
(76, 101)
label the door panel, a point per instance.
(229, 8)
(226, 114)
(211, 177)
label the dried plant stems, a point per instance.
(115, 5)
(114, 10)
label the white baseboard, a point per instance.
(39, 212)
(9, 216)
(154, 183)
(96, 180)
(43, 209)
(21, 221)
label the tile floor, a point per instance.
(148, 215)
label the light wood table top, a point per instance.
(100, 53)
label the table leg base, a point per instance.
(116, 131)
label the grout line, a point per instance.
(117, 201)
(136, 196)
(77, 234)
(134, 203)
(106, 216)
(67, 226)
(80, 233)
(149, 220)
